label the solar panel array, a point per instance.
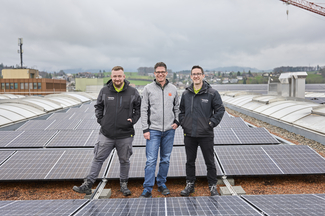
(4, 155)
(7, 136)
(32, 138)
(74, 138)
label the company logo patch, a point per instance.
(170, 94)
(110, 98)
(204, 100)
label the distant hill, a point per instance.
(240, 69)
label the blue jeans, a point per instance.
(165, 141)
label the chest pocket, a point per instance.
(125, 102)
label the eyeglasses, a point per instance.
(160, 72)
(197, 74)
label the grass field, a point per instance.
(314, 78)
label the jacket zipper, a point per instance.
(163, 109)
(117, 103)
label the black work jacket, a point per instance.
(201, 112)
(114, 108)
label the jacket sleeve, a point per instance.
(218, 109)
(176, 108)
(145, 110)
(99, 106)
(136, 107)
(181, 109)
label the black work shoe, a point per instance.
(188, 189)
(84, 188)
(124, 188)
(213, 190)
(163, 189)
(145, 194)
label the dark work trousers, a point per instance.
(191, 146)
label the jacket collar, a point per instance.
(110, 86)
(203, 89)
(157, 83)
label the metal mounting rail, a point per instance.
(228, 185)
(99, 190)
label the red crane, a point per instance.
(307, 6)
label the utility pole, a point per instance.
(20, 44)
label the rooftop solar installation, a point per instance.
(138, 139)
(64, 124)
(75, 164)
(245, 160)
(4, 155)
(234, 122)
(296, 159)
(88, 124)
(93, 139)
(132, 206)
(254, 136)
(71, 138)
(288, 204)
(224, 136)
(59, 116)
(217, 205)
(36, 125)
(29, 165)
(31, 138)
(39, 207)
(7, 136)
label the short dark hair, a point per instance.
(116, 68)
(161, 64)
(197, 66)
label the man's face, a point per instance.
(160, 74)
(197, 76)
(118, 78)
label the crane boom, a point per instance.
(307, 6)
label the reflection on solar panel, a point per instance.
(70, 138)
(4, 155)
(137, 164)
(254, 136)
(177, 164)
(132, 206)
(75, 164)
(225, 136)
(64, 124)
(289, 204)
(79, 115)
(7, 136)
(235, 122)
(217, 205)
(36, 125)
(92, 139)
(245, 160)
(29, 165)
(88, 124)
(32, 138)
(39, 207)
(138, 139)
(59, 116)
(296, 159)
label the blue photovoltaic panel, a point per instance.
(138, 139)
(216, 205)
(254, 136)
(29, 165)
(320, 195)
(84, 115)
(296, 159)
(88, 124)
(60, 116)
(225, 136)
(39, 207)
(71, 138)
(130, 207)
(7, 136)
(32, 138)
(245, 160)
(288, 204)
(64, 124)
(4, 155)
(36, 125)
(235, 122)
(75, 164)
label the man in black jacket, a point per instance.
(201, 110)
(117, 110)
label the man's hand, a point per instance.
(130, 120)
(174, 126)
(146, 135)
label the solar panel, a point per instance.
(254, 136)
(75, 164)
(29, 165)
(179, 136)
(59, 116)
(296, 159)
(7, 136)
(235, 122)
(36, 125)
(217, 205)
(138, 139)
(32, 138)
(225, 136)
(288, 204)
(40, 207)
(64, 124)
(137, 164)
(68, 138)
(93, 139)
(88, 124)
(4, 155)
(245, 160)
(320, 195)
(131, 206)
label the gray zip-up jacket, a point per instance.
(159, 107)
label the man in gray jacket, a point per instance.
(159, 118)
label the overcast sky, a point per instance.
(99, 34)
